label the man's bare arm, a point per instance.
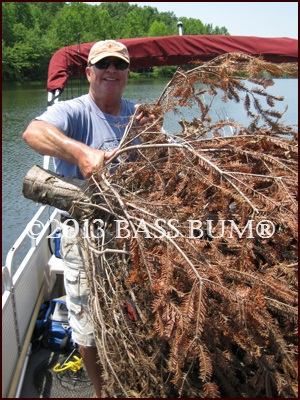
(46, 139)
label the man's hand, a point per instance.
(94, 161)
(143, 117)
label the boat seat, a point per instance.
(56, 265)
(55, 275)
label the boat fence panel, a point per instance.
(30, 278)
(9, 342)
(27, 284)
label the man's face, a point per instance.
(108, 76)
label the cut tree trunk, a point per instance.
(69, 194)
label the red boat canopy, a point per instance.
(71, 61)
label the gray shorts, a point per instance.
(76, 287)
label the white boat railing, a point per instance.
(25, 285)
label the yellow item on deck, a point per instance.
(74, 366)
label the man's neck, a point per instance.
(111, 107)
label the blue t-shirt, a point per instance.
(82, 120)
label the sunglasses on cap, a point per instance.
(118, 64)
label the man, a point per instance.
(81, 134)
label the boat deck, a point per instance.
(41, 382)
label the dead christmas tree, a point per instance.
(193, 267)
(191, 296)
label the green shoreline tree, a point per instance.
(33, 31)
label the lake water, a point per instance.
(20, 105)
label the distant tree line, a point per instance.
(33, 31)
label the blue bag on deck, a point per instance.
(59, 330)
(40, 327)
(52, 328)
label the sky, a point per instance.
(241, 18)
